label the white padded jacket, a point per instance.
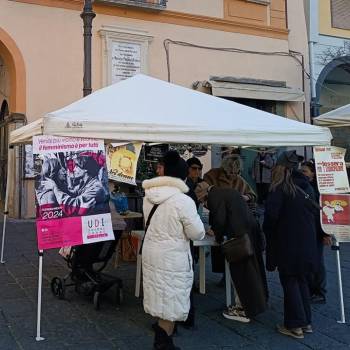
(166, 257)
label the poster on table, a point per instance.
(331, 169)
(122, 162)
(335, 215)
(71, 192)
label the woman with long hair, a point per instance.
(289, 226)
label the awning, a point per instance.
(240, 88)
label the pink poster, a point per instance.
(71, 192)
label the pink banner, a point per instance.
(71, 188)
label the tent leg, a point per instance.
(2, 261)
(40, 282)
(340, 284)
(9, 170)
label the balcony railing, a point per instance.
(147, 4)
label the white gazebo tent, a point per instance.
(337, 118)
(150, 110)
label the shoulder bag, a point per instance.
(238, 248)
(155, 206)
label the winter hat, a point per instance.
(194, 161)
(174, 165)
(289, 159)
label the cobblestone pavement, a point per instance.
(74, 324)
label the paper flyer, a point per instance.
(122, 162)
(331, 169)
(335, 216)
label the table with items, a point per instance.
(207, 241)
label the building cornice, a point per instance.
(170, 17)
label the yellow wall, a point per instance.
(326, 22)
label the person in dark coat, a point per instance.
(318, 280)
(230, 216)
(195, 167)
(289, 226)
(228, 176)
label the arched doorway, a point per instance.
(12, 115)
(332, 92)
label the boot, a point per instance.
(162, 341)
(189, 323)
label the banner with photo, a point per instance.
(331, 169)
(335, 215)
(122, 162)
(71, 192)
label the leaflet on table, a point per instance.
(122, 162)
(331, 169)
(335, 216)
(71, 191)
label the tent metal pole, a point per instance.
(9, 170)
(40, 282)
(336, 247)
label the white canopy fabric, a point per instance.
(146, 109)
(336, 118)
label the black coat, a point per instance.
(290, 230)
(229, 215)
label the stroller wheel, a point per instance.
(119, 296)
(97, 300)
(58, 288)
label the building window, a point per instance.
(340, 13)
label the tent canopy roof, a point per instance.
(336, 118)
(147, 109)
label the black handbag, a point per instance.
(238, 248)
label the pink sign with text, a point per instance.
(71, 192)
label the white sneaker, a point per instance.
(235, 314)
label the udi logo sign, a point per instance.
(71, 192)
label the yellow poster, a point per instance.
(122, 162)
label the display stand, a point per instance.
(40, 282)
(336, 247)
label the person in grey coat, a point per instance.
(261, 173)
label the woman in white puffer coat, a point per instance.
(166, 256)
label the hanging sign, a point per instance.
(71, 188)
(335, 215)
(122, 162)
(153, 153)
(331, 169)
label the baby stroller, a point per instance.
(88, 279)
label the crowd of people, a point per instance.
(290, 234)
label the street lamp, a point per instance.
(87, 15)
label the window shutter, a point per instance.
(340, 12)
